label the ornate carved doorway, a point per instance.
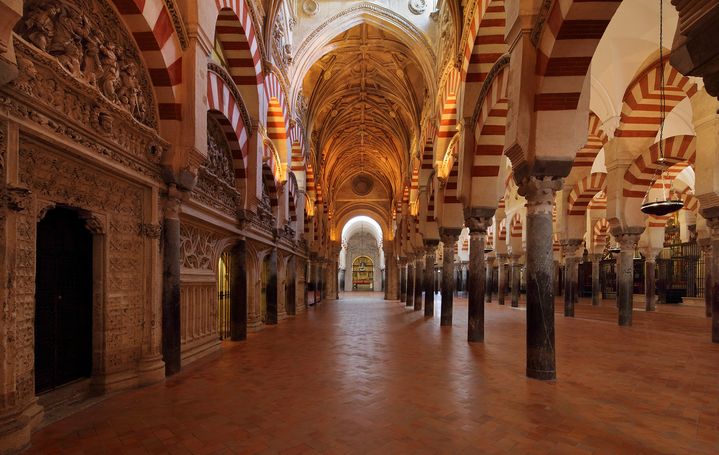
(63, 300)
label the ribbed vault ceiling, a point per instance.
(365, 97)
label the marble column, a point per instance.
(557, 268)
(430, 250)
(501, 277)
(489, 283)
(540, 294)
(627, 240)
(449, 238)
(514, 267)
(708, 282)
(418, 278)
(691, 265)
(171, 316)
(572, 256)
(713, 224)
(410, 281)
(477, 221)
(596, 285)
(392, 279)
(272, 291)
(238, 291)
(402, 279)
(650, 282)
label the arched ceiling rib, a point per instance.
(364, 100)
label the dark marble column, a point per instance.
(713, 223)
(238, 291)
(271, 291)
(489, 283)
(402, 279)
(501, 277)
(540, 293)
(410, 281)
(571, 249)
(449, 238)
(627, 240)
(418, 278)
(692, 276)
(708, 281)
(430, 250)
(514, 267)
(477, 221)
(596, 285)
(650, 282)
(171, 316)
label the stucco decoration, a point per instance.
(417, 6)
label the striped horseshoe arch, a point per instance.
(236, 33)
(151, 25)
(584, 191)
(601, 232)
(566, 42)
(278, 121)
(646, 166)
(595, 141)
(226, 109)
(640, 111)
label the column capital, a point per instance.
(570, 247)
(628, 237)
(713, 225)
(539, 192)
(449, 235)
(478, 219)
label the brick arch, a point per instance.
(278, 123)
(566, 42)
(448, 117)
(596, 139)
(646, 166)
(152, 27)
(640, 115)
(600, 232)
(227, 110)
(515, 229)
(271, 171)
(489, 133)
(584, 191)
(237, 35)
(292, 193)
(298, 160)
(272, 188)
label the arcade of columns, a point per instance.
(193, 137)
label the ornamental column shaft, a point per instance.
(708, 282)
(430, 248)
(410, 282)
(488, 281)
(418, 278)
(540, 293)
(625, 273)
(514, 277)
(477, 220)
(449, 238)
(713, 224)
(402, 280)
(501, 278)
(649, 284)
(571, 283)
(596, 286)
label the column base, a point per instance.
(151, 370)
(16, 427)
(113, 382)
(542, 375)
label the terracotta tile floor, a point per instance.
(362, 375)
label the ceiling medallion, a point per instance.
(417, 6)
(362, 185)
(310, 7)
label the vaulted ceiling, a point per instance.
(365, 96)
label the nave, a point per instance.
(365, 375)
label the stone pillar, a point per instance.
(430, 249)
(238, 292)
(171, 351)
(418, 278)
(571, 249)
(540, 296)
(501, 277)
(596, 285)
(489, 281)
(708, 282)
(713, 224)
(410, 281)
(692, 276)
(272, 290)
(514, 267)
(627, 239)
(449, 238)
(477, 220)
(650, 282)
(392, 279)
(555, 279)
(402, 280)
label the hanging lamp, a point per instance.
(665, 205)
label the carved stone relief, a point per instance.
(91, 44)
(417, 6)
(111, 207)
(198, 248)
